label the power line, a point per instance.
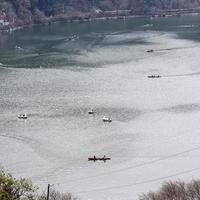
(140, 183)
(132, 167)
(136, 166)
(129, 167)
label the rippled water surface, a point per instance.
(57, 73)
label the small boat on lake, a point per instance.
(154, 76)
(17, 47)
(91, 112)
(150, 51)
(106, 119)
(94, 159)
(22, 116)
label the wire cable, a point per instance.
(135, 166)
(141, 182)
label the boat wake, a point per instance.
(182, 75)
(177, 48)
(5, 65)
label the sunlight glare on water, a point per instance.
(57, 73)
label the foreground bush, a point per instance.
(55, 195)
(14, 189)
(23, 189)
(175, 191)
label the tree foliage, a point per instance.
(55, 195)
(26, 12)
(23, 189)
(175, 191)
(15, 189)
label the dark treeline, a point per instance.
(177, 190)
(21, 12)
(52, 7)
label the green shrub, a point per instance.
(15, 189)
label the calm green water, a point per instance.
(60, 45)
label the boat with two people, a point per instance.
(22, 116)
(154, 76)
(94, 159)
(150, 51)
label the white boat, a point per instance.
(91, 112)
(22, 116)
(17, 47)
(106, 119)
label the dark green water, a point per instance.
(60, 45)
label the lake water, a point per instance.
(57, 73)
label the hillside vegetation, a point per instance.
(26, 12)
(23, 189)
(175, 191)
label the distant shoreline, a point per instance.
(85, 19)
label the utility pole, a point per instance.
(48, 188)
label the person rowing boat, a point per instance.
(94, 159)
